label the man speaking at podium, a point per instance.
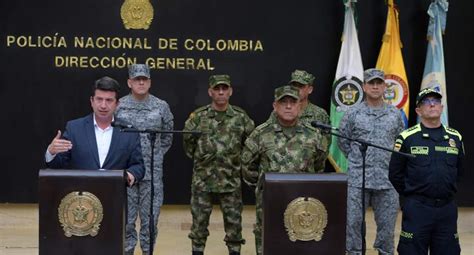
(91, 142)
(287, 145)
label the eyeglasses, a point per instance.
(431, 101)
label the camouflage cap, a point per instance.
(217, 79)
(286, 90)
(373, 73)
(426, 92)
(138, 70)
(302, 77)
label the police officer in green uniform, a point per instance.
(287, 145)
(216, 157)
(428, 182)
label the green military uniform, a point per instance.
(274, 148)
(311, 112)
(217, 170)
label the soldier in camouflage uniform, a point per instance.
(145, 111)
(304, 82)
(286, 145)
(379, 123)
(216, 157)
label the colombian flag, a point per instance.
(391, 62)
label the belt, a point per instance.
(435, 202)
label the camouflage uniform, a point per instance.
(216, 173)
(311, 112)
(152, 113)
(379, 126)
(274, 148)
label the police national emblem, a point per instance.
(137, 14)
(305, 219)
(80, 214)
(347, 92)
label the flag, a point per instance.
(434, 75)
(347, 88)
(390, 60)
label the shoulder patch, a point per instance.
(410, 131)
(453, 131)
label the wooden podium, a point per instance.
(82, 212)
(304, 214)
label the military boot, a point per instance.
(234, 253)
(198, 253)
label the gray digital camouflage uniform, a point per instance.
(379, 126)
(272, 148)
(152, 113)
(217, 171)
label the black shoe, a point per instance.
(198, 253)
(234, 253)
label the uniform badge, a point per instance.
(137, 14)
(397, 147)
(80, 214)
(305, 219)
(451, 142)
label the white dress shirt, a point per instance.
(103, 138)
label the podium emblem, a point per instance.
(305, 219)
(137, 14)
(80, 214)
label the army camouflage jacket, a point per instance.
(379, 126)
(270, 149)
(216, 152)
(311, 113)
(315, 113)
(152, 113)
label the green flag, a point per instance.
(347, 88)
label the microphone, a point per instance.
(320, 125)
(121, 124)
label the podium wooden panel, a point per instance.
(108, 186)
(281, 189)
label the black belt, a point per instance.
(435, 202)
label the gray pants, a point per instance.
(139, 205)
(385, 205)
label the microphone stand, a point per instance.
(152, 137)
(363, 145)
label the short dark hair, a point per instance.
(107, 84)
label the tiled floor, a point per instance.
(19, 231)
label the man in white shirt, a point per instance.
(91, 142)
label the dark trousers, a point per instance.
(429, 225)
